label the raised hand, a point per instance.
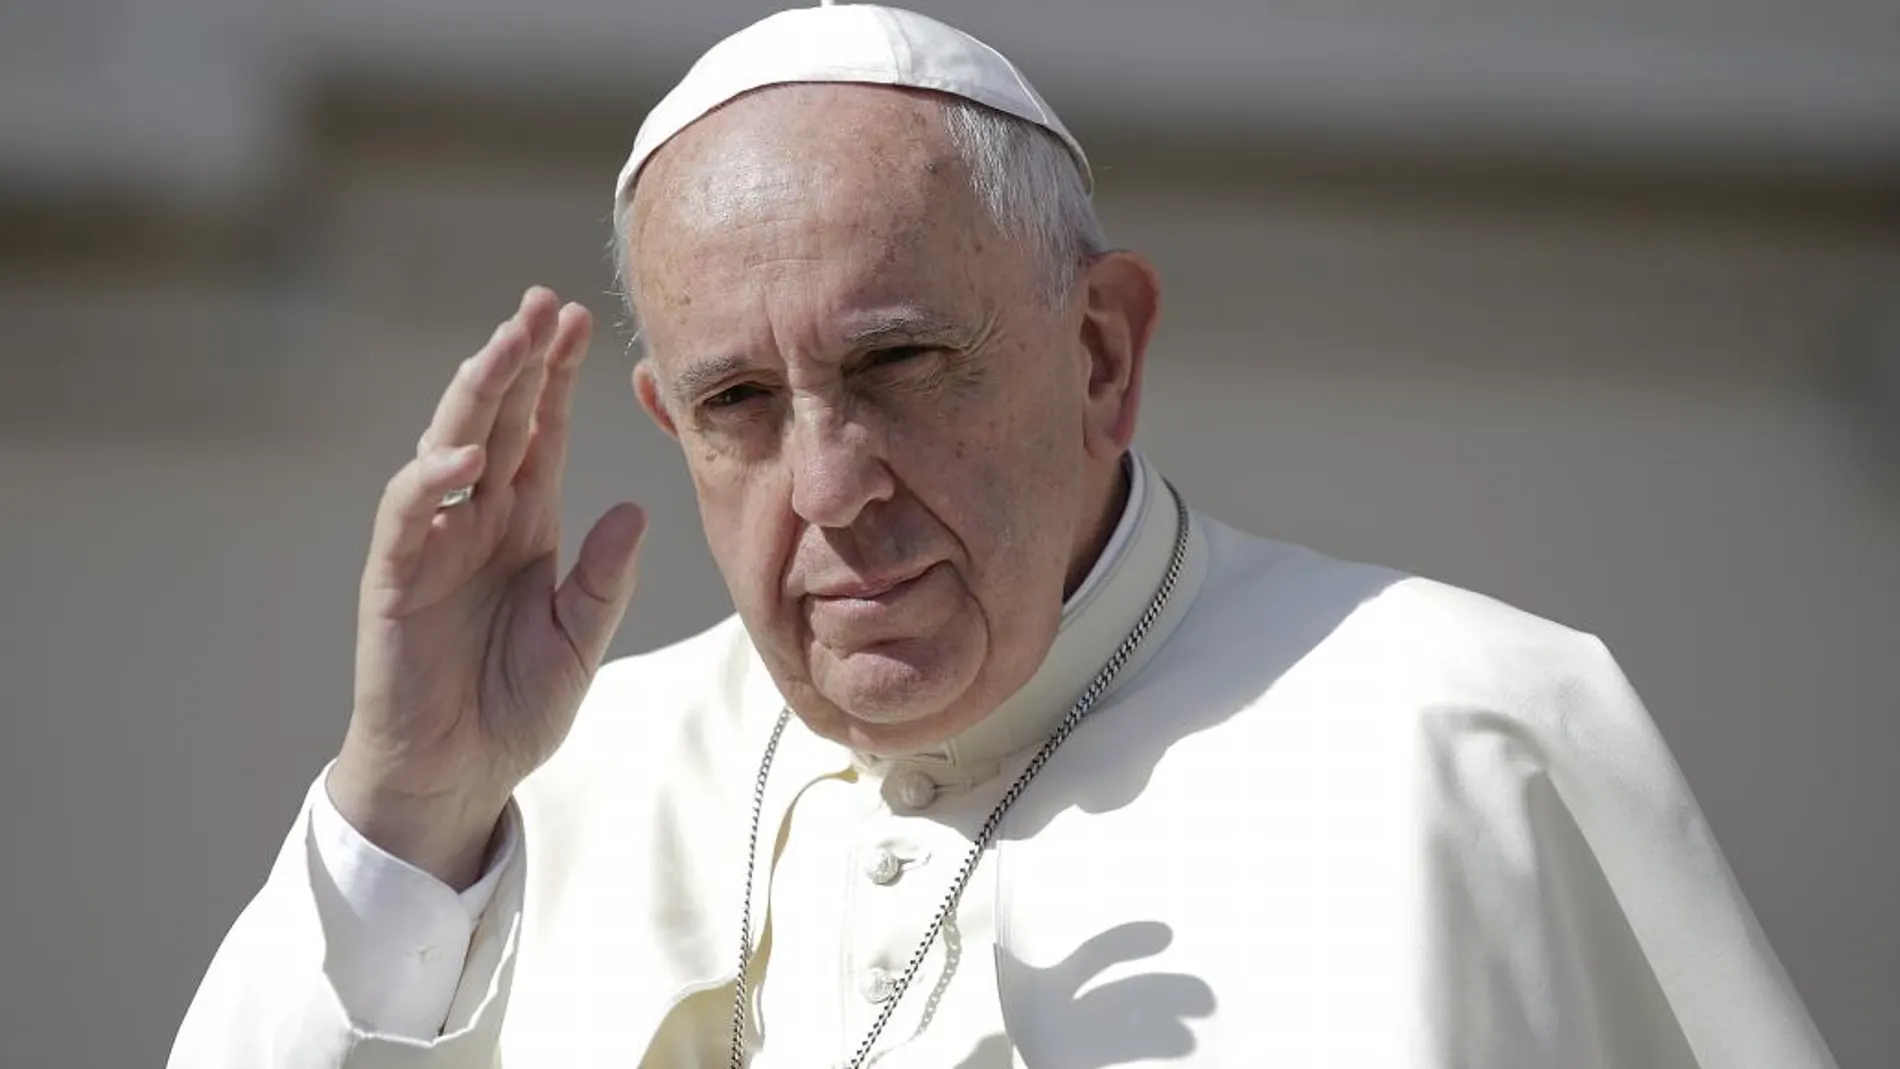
(472, 652)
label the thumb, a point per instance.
(594, 596)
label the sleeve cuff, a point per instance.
(398, 942)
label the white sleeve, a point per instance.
(274, 996)
(397, 952)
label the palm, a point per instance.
(483, 663)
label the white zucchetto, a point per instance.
(852, 43)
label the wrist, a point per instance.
(444, 832)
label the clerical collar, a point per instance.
(1095, 619)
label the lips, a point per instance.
(865, 589)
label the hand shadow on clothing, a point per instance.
(1059, 1025)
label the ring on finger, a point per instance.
(455, 497)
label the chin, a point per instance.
(897, 683)
(890, 679)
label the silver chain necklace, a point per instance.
(985, 835)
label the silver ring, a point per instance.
(455, 497)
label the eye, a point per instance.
(894, 355)
(733, 396)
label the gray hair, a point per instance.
(1027, 180)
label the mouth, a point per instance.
(876, 588)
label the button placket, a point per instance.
(877, 985)
(890, 905)
(885, 862)
(883, 867)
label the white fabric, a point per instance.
(1336, 816)
(859, 43)
(397, 964)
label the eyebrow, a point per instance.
(903, 326)
(700, 377)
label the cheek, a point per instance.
(746, 515)
(1005, 487)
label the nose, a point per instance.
(837, 469)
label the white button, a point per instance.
(876, 985)
(912, 790)
(883, 867)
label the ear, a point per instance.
(1122, 302)
(646, 386)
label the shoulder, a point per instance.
(1414, 677)
(1363, 628)
(1471, 641)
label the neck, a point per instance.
(1108, 494)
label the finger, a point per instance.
(466, 413)
(466, 410)
(508, 438)
(594, 597)
(547, 447)
(412, 500)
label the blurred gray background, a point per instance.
(1589, 304)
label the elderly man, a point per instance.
(1008, 757)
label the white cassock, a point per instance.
(1330, 815)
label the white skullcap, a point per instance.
(861, 43)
